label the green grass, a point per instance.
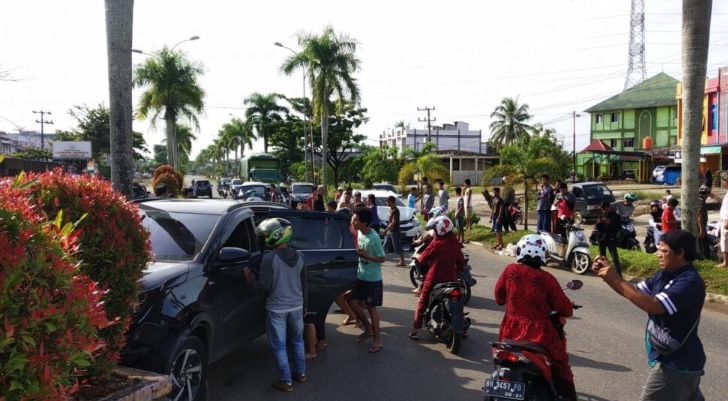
(642, 265)
(483, 234)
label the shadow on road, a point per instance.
(576, 360)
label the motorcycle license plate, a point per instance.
(509, 390)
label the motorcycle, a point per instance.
(626, 237)
(573, 250)
(418, 272)
(223, 191)
(516, 213)
(444, 316)
(522, 370)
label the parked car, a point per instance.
(196, 306)
(300, 192)
(589, 198)
(140, 191)
(261, 191)
(203, 188)
(385, 186)
(669, 175)
(408, 223)
(235, 185)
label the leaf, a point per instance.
(15, 385)
(16, 363)
(59, 219)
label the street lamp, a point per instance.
(177, 44)
(307, 139)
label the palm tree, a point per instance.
(695, 40)
(510, 123)
(184, 142)
(119, 18)
(263, 110)
(237, 134)
(329, 61)
(172, 87)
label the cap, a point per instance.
(681, 241)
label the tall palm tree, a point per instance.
(510, 122)
(172, 87)
(695, 40)
(237, 134)
(184, 141)
(119, 22)
(329, 60)
(262, 111)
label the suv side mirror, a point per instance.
(231, 255)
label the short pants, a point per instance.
(460, 223)
(371, 292)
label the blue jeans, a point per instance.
(282, 326)
(544, 221)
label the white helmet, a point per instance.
(441, 224)
(532, 247)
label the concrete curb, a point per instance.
(153, 386)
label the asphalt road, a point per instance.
(605, 346)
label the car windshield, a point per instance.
(265, 175)
(236, 182)
(596, 191)
(383, 202)
(203, 183)
(178, 236)
(260, 191)
(302, 188)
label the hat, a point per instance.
(681, 241)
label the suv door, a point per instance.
(238, 308)
(328, 249)
(581, 204)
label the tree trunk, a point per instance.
(525, 204)
(264, 128)
(695, 40)
(119, 24)
(324, 145)
(170, 136)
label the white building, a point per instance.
(448, 137)
(17, 142)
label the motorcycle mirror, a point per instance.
(574, 284)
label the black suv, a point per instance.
(196, 306)
(589, 198)
(203, 188)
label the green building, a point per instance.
(622, 122)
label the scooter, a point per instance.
(418, 271)
(572, 250)
(444, 316)
(223, 190)
(516, 213)
(522, 369)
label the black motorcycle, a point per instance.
(223, 190)
(522, 370)
(626, 237)
(444, 316)
(418, 272)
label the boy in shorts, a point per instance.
(460, 215)
(368, 291)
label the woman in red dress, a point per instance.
(530, 294)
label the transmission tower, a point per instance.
(636, 71)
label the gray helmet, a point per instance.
(703, 190)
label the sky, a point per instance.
(461, 57)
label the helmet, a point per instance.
(437, 212)
(655, 203)
(275, 231)
(441, 224)
(703, 190)
(630, 197)
(531, 247)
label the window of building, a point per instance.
(629, 142)
(714, 117)
(455, 164)
(598, 118)
(613, 117)
(613, 143)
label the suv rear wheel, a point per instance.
(187, 365)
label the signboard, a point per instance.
(71, 150)
(710, 150)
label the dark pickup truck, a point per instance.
(196, 306)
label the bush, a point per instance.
(113, 246)
(167, 175)
(474, 216)
(49, 315)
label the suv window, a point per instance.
(596, 191)
(302, 189)
(202, 183)
(178, 236)
(577, 192)
(260, 191)
(310, 231)
(241, 237)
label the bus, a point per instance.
(262, 167)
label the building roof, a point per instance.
(597, 146)
(656, 91)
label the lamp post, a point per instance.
(191, 38)
(310, 177)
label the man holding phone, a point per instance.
(673, 299)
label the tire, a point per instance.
(578, 218)
(414, 277)
(189, 379)
(580, 263)
(466, 297)
(453, 342)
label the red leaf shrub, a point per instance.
(50, 315)
(166, 174)
(113, 246)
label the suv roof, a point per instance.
(202, 206)
(588, 183)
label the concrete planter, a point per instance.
(152, 386)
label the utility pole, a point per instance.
(573, 146)
(42, 122)
(428, 120)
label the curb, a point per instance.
(153, 386)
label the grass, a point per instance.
(483, 234)
(642, 265)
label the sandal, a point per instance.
(310, 356)
(364, 336)
(347, 321)
(414, 336)
(375, 348)
(321, 345)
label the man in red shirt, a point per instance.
(669, 222)
(445, 259)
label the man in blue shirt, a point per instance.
(673, 298)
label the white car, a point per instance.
(408, 223)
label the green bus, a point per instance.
(262, 167)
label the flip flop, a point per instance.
(414, 336)
(347, 322)
(364, 336)
(374, 349)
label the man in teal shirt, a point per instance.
(369, 290)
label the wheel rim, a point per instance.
(580, 263)
(186, 375)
